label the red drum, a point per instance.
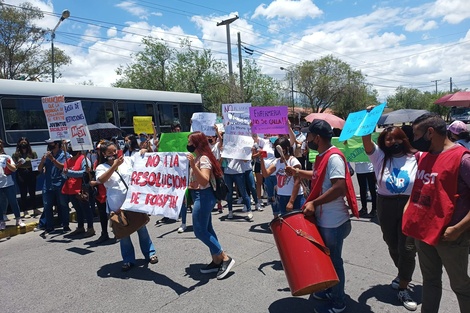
(304, 256)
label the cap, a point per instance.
(457, 127)
(319, 127)
(54, 140)
(296, 126)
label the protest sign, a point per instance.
(158, 184)
(361, 123)
(203, 122)
(143, 124)
(173, 142)
(237, 147)
(79, 134)
(352, 149)
(35, 164)
(234, 107)
(54, 110)
(269, 120)
(238, 123)
(220, 127)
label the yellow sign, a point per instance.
(143, 124)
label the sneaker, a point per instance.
(239, 200)
(210, 268)
(38, 228)
(337, 308)
(102, 238)
(3, 225)
(230, 215)
(127, 266)
(373, 213)
(182, 228)
(26, 214)
(259, 206)
(225, 268)
(20, 223)
(407, 301)
(5, 218)
(153, 259)
(395, 283)
(90, 232)
(363, 213)
(36, 212)
(249, 217)
(66, 229)
(322, 295)
(78, 231)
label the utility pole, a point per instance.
(65, 14)
(451, 85)
(229, 50)
(240, 66)
(435, 81)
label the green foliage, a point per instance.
(260, 89)
(21, 56)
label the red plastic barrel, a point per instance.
(305, 258)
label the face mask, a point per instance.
(211, 141)
(422, 144)
(312, 145)
(142, 139)
(23, 146)
(191, 148)
(277, 154)
(127, 145)
(51, 147)
(395, 149)
(111, 158)
(273, 139)
(296, 132)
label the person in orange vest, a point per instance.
(438, 213)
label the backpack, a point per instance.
(220, 189)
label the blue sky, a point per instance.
(408, 43)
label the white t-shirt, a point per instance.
(334, 213)
(203, 162)
(285, 184)
(215, 150)
(364, 167)
(399, 174)
(234, 166)
(116, 190)
(5, 180)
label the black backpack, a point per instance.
(221, 189)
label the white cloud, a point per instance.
(420, 25)
(451, 11)
(112, 31)
(134, 9)
(289, 9)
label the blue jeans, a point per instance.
(146, 246)
(333, 238)
(83, 210)
(282, 204)
(269, 184)
(8, 195)
(250, 184)
(51, 198)
(240, 182)
(183, 212)
(203, 202)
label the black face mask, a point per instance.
(23, 146)
(211, 141)
(51, 147)
(191, 148)
(277, 154)
(394, 149)
(312, 145)
(422, 144)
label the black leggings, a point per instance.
(364, 180)
(103, 217)
(26, 180)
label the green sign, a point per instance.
(173, 142)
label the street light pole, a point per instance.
(291, 90)
(65, 14)
(229, 50)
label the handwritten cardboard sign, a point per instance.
(234, 107)
(269, 120)
(143, 124)
(238, 123)
(361, 123)
(54, 110)
(77, 128)
(237, 147)
(173, 142)
(158, 184)
(204, 122)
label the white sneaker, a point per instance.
(2, 225)
(182, 228)
(240, 200)
(258, 207)
(230, 215)
(20, 223)
(249, 217)
(407, 301)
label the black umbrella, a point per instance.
(401, 116)
(100, 131)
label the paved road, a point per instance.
(63, 275)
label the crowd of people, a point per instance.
(419, 185)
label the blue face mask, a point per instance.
(142, 139)
(272, 139)
(296, 132)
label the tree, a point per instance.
(329, 83)
(409, 98)
(259, 89)
(21, 52)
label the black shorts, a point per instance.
(257, 168)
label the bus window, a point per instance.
(96, 111)
(168, 115)
(24, 117)
(186, 112)
(127, 111)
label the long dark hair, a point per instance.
(29, 151)
(285, 145)
(103, 147)
(398, 134)
(134, 145)
(201, 143)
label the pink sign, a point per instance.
(269, 120)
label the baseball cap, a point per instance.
(319, 127)
(58, 141)
(457, 127)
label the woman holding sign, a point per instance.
(115, 173)
(395, 169)
(203, 169)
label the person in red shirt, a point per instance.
(438, 213)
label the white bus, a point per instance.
(21, 113)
